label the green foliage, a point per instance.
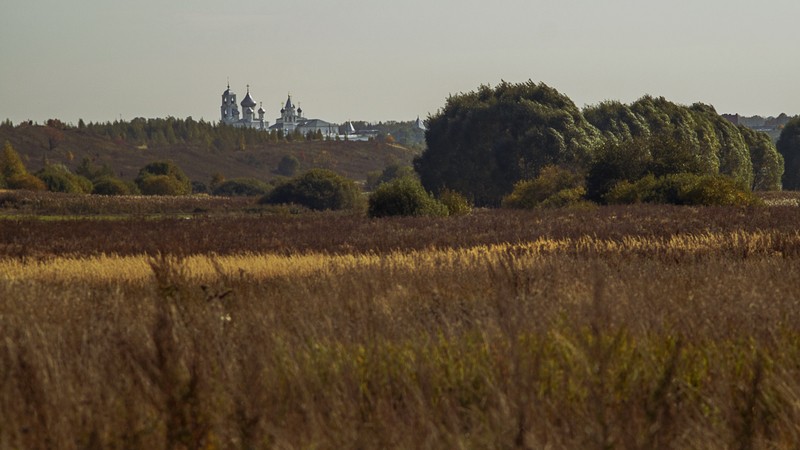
(658, 137)
(161, 185)
(404, 197)
(317, 189)
(58, 178)
(483, 142)
(683, 189)
(242, 187)
(618, 160)
(288, 165)
(789, 147)
(670, 138)
(389, 173)
(168, 179)
(92, 171)
(554, 187)
(767, 162)
(456, 203)
(109, 185)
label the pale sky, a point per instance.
(387, 60)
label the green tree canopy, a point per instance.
(242, 187)
(404, 196)
(109, 185)
(58, 178)
(389, 173)
(483, 142)
(288, 165)
(169, 179)
(767, 162)
(658, 137)
(318, 189)
(789, 148)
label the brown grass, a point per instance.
(225, 231)
(618, 327)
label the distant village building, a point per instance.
(770, 125)
(230, 111)
(419, 124)
(292, 120)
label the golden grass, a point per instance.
(112, 268)
(688, 340)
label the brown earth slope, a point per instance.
(351, 159)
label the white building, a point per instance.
(229, 111)
(292, 120)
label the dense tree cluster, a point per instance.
(484, 143)
(168, 131)
(163, 178)
(404, 196)
(317, 189)
(481, 143)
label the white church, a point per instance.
(290, 121)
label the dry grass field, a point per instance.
(618, 327)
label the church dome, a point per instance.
(248, 101)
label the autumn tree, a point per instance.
(13, 173)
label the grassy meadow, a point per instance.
(610, 327)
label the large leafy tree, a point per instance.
(789, 148)
(658, 137)
(482, 142)
(767, 162)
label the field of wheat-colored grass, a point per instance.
(560, 338)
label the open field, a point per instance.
(613, 327)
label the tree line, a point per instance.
(486, 142)
(213, 136)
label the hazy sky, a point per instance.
(387, 60)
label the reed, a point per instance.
(686, 340)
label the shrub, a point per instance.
(108, 185)
(161, 185)
(288, 165)
(242, 187)
(455, 202)
(554, 187)
(25, 181)
(719, 190)
(317, 189)
(198, 187)
(683, 189)
(404, 197)
(176, 182)
(389, 173)
(58, 178)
